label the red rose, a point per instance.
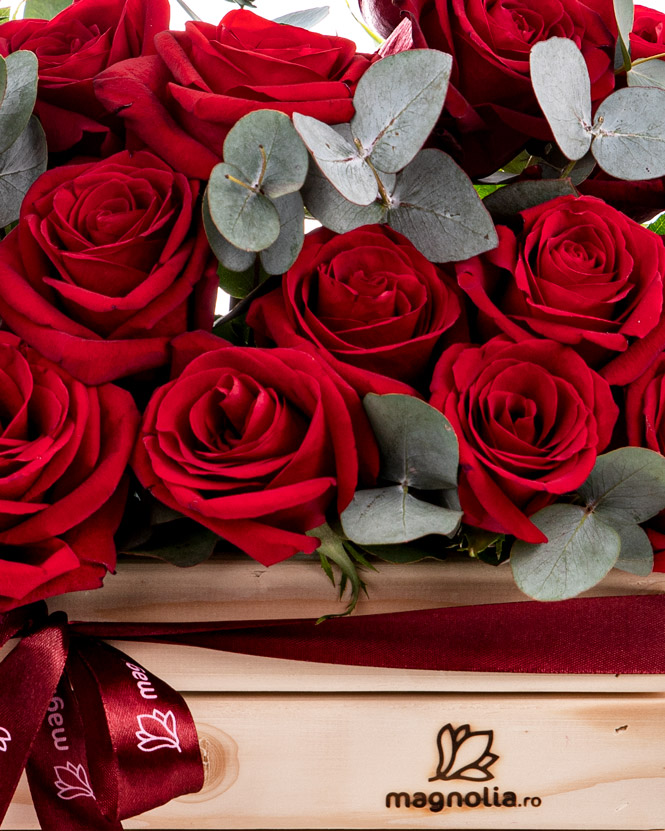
(530, 418)
(581, 273)
(108, 264)
(648, 36)
(182, 103)
(370, 302)
(491, 105)
(64, 449)
(255, 444)
(645, 427)
(75, 46)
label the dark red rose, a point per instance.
(108, 264)
(182, 103)
(648, 36)
(491, 106)
(581, 273)
(530, 418)
(640, 200)
(255, 444)
(64, 448)
(76, 45)
(369, 301)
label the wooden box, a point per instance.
(291, 744)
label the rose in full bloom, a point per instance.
(645, 427)
(491, 103)
(530, 418)
(255, 444)
(76, 45)
(109, 263)
(64, 449)
(182, 102)
(371, 304)
(581, 273)
(648, 36)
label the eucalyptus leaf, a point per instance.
(636, 551)
(626, 486)
(3, 77)
(417, 444)
(338, 159)
(629, 131)
(271, 155)
(397, 102)
(246, 218)
(561, 82)
(280, 256)
(580, 550)
(387, 516)
(511, 199)
(182, 542)
(45, 9)
(19, 96)
(647, 74)
(327, 204)
(406, 553)
(20, 165)
(232, 258)
(624, 12)
(305, 18)
(436, 207)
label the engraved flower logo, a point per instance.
(72, 781)
(464, 754)
(157, 731)
(5, 738)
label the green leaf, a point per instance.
(246, 218)
(437, 208)
(332, 549)
(271, 155)
(418, 446)
(386, 516)
(484, 190)
(280, 256)
(182, 542)
(511, 199)
(20, 166)
(338, 159)
(5, 14)
(624, 13)
(327, 204)
(636, 551)
(658, 225)
(405, 553)
(45, 9)
(561, 82)
(237, 283)
(626, 486)
(397, 102)
(19, 96)
(231, 258)
(580, 551)
(629, 131)
(647, 74)
(305, 18)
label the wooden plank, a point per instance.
(329, 761)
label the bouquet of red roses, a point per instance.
(468, 354)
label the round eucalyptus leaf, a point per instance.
(338, 159)
(280, 256)
(437, 208)
(624, 12)
(19, 96)
(397, 102)
(629, 132)
(387, 516)
(626, 486)
(561, 82)
(636, 551)
(246, 218)
(579, 552)
(417, 445)
(327, 204)
(648, 74)
(511, 199)
(266, 148)
(305, 18)
(232, 258)
(20, 165)
(3, 77)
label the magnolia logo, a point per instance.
(464, 754)
(5, 738)
(72, 781)
(157, 731)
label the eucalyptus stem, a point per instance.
(187, 10)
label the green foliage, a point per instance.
(45, 9)
(305, 18)
(20, 165)
(334, 550)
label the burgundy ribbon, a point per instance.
(102, 739)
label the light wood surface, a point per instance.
(328, 761)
